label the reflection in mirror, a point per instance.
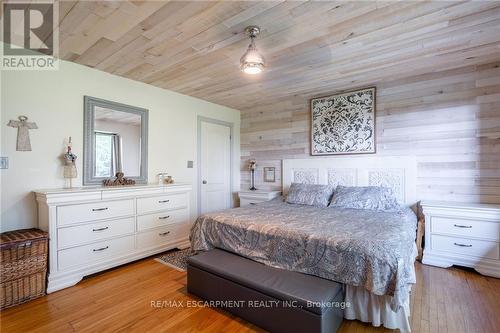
(115, 141)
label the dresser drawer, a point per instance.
(81, 234)
(464, 246)
(155, 220)
(163, 236)
(93, 253)
(154, 204)
(94, 211)
(465, 228)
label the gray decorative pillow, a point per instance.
(365, 197)
(310, 194)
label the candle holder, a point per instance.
(252, 166)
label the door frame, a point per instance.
(202, 119)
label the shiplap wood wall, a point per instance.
(450, 120)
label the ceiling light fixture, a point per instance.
(252, 62)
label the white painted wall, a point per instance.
(54, 100)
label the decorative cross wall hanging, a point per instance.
(23, 135)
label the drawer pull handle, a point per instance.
(462, 226)
(99, 209)
(463, 245)
(100, 229)
(164, 217)
(164, 233)
(101, 249)
(163, 201)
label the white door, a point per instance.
(215, 167)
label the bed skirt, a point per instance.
(375, 309)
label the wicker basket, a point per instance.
(23, 266)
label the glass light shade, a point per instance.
(252, 62)
(251, 68)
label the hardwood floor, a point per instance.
(444, 300)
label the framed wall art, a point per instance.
(269, 174)
(343, 123)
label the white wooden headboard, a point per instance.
(398, 173)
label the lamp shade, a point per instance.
(252, 62)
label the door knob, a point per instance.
(204, 182)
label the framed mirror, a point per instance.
(115, 140)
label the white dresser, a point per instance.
(254, 197)
(93, 229)
(462, 234)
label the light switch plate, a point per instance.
(4, 162)
(190, 164)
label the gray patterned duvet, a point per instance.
(374, 250)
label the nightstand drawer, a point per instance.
(246, 202)
(464, 246)
(255, 197)
(465, 228)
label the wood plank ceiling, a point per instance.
(194, 47)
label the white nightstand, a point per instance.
(462, 234)
(253, 197)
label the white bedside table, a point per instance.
(462, 234)
(248, 197)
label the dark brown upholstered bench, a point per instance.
(274, 299)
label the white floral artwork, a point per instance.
(343, 123)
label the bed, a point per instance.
(372, 253)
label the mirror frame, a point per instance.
(89, 139)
